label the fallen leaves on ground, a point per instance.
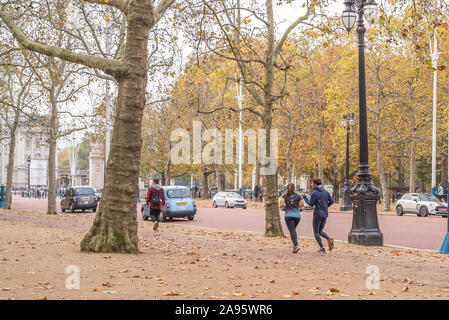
(238, 294)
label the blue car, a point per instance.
(178, 204)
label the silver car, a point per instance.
(421, 204)
(229, 200)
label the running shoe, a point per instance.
(322, 250)
(156, 225)
(331, 243)
(296, 248)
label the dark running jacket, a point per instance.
(321, 200)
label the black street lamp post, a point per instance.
(365, 226)
(335, 196)
(28, 165)
(346, 204)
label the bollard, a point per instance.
(2, 199)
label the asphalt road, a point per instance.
(406, 231)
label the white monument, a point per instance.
(96, 165)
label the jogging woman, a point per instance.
(291, 202)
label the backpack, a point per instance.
(155, 199)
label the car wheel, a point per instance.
(423, 212)
(145, 218)
(226, 204)
(214, 204)
(94, 209)
(72, 208)
(244, 207)
(162, 217)
(399, 210)
(191, 218)
(84, 210)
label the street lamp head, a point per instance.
(351, 119)
(371, 11)
(349, 16)
(347, 120)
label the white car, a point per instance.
(229, 200)
(421, 204)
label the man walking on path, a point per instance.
(321, 200)
(155, 201)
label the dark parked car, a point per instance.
(79, 198)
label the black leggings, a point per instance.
(292, 223)
(154, 214)
(318, 226)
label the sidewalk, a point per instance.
(182, 262)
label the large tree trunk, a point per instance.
(12, 148)
(412, 186)
(273, 227)
(51, 203)
(320, 153)
(115, 225)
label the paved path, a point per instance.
(407, 231)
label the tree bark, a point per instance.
(273, 227)
(205, 193)
(288, 160)
(51, 203)
(320, 153)
(12, 148)
(412, 186)
(167, 171)
(444, 165)
(115, 225)
(383, 181)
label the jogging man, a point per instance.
(321, 200)
(155, 200)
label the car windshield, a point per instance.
(427, 197)
(84, 191)
(178, 193)
(233, 195)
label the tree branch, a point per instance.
(161, 8)
(122, 5)
(281, 42)
(109, 66)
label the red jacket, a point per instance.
(152, 191)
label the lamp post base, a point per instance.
(366, 237)
(365, 226)
(346, 203)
